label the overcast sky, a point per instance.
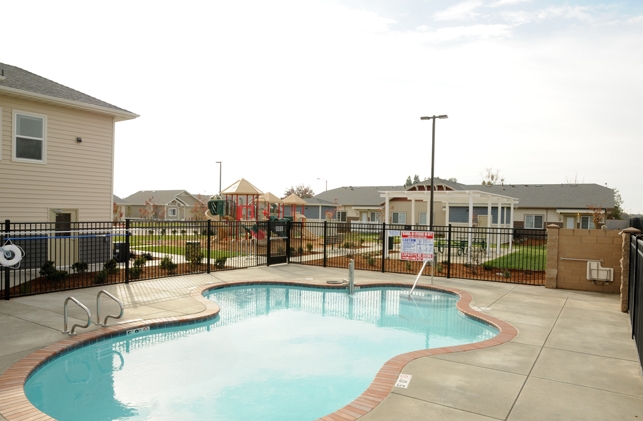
(309, 92)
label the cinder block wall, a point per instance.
(602, 245)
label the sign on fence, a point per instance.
(416, 245)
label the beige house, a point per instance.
(165, 205)
(56, 150)
(527, 206)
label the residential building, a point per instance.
(56, 150)
(166, 205)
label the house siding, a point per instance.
(75, 175)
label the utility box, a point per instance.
(121, 252)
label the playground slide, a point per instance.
(307, 235)
(258, 234)
(212, 217)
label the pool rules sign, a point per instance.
(416, 245)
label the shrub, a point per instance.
(163, 231)
(111, 267)
(150, 232)
(80, 267)
(300, 250)
(148, 256)
(309, 247)
(168, 265)
(193, 253)
(487, 266)
(135, 272)
(174, 232)
(101, 277)
(220, 262)
(140, 261)
(49, 271)
(438, 267)
(183, 232)
(506, 273)
(370, 260)
(407, 265)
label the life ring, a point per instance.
(11, 255)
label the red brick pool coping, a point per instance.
(15, 406)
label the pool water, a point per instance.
(273, 353)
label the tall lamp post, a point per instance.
(325, 181)
(432, 163)
(220, 165)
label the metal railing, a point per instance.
(636, 292)
(68, 256)
(491, 254)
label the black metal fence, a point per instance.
(492, 254)
(636, 223)
(62, 256)
(636, 291)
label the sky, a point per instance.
(330, 93)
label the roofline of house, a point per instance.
(120, 115)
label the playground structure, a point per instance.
(243, 202)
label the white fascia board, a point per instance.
(119, 115)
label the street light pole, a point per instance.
(325, 181)
(432, 163)
(220, 165)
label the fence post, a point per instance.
(325, 244)
(626, 246)
(288, 231)
(449, 252)
(7, 271)
(268, 235)
(551, 265)
(127, 247)
(384, 245)
(208, 238)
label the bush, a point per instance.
(183, 232)
(49, 271)
(309, 247)
(163, 231)
(300, 250)
(487, 266)
(438, 267)
(80, 267)
(506, 273)
(140, 262)
(407, 265)
(174, 232)
(111, 267)
(168, 265)
(148, 256)
(101, 277)
(370, 260)
(135, 272)
(220, 262)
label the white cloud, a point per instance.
(461, 11)
(473, 32)
(499, 3)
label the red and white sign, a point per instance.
(416, 245)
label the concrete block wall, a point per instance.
(584, 245)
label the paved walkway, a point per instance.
(573, 357)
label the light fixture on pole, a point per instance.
(432, 164)
(325, 181)
(220, 165)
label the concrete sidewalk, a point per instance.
(573, 357)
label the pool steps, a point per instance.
(89, 313)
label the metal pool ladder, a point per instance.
(89, 316)
(109, 315)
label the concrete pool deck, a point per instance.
(573, 357)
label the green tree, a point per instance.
(301, 191)
(617, 212)
(408, 182)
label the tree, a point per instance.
(597, 215)
(617, 212)
(199, 208)
(408, 182)
(301, 191)
(453, 180)
(416, 179)
(152, 210)
(492, 178)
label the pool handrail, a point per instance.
(81, 305)
(120, 304)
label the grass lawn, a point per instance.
(214, 254)
(524, 258)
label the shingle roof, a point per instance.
(22, 80)
(357, 196)
(161, 197)
(552, 196)
(569, 196)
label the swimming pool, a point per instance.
(312, 351)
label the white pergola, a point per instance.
(454, 197)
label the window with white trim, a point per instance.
(341, 216)
(172, 212)
(423, 218)
(587, 223)
(534, 222)
(29, 137)
(399, 218)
